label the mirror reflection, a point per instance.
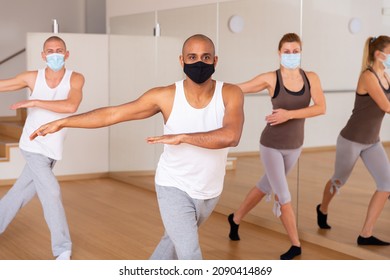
(329, 48)
(347, 211)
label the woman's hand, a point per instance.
(278, 116)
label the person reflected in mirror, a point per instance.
(360, 138)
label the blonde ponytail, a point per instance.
(366, 62)
(372, 45)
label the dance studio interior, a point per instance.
(123, 48)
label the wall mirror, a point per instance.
(247, 46)
(334, 52)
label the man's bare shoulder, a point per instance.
(77, 76)
(29, 74)
(28, 77)
(231, 88)
(163, 90)
(232, 94)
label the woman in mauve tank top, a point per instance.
(291, 90)
(360, 138)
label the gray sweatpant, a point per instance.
(38, 178)
(277, 164)
(181, 216)
(374, 158)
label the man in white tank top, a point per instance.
(202, 119)
(55, 92)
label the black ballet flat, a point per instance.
(372, 240)
(322, 219)
(233, 234)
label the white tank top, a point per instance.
(197, 171)
(50, 145)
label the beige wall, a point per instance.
(124, 7)
(329, 49)
(138, 63)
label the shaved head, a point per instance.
(197, 38)
(54, 38)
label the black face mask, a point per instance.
(199, 72)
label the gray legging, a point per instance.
(373, 156)
(38, 178)
(277, 164)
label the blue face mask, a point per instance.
(55, 61)
(291, 60)
(386, 63)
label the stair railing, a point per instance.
(12, 56)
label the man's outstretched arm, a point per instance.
(143, 107)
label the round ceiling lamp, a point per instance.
(236, 24)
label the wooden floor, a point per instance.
(306, 182)
(347, 210)
(112, 220)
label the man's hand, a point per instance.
(51, 127)
(165, 139)
(22, 104)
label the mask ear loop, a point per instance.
(386, 56)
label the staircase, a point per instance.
(10, 131)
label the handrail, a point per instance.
(12, 56)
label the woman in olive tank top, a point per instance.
(291, 90)
(360, 138)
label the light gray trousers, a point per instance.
(181, 216)
(38, 178)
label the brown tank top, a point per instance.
(365, 122)
(290, 134)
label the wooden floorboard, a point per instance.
(112, 220)
(306, 183)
